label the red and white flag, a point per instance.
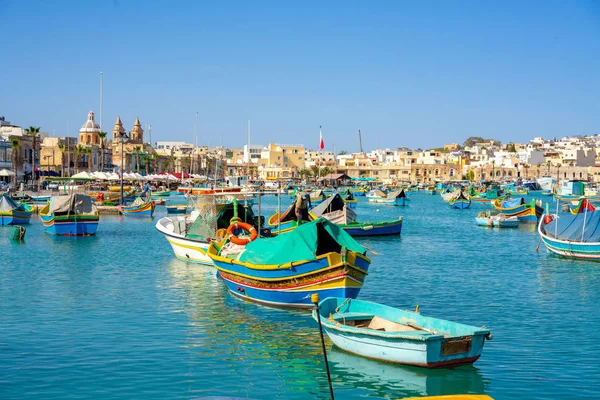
(321, 142)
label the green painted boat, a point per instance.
(160, 194)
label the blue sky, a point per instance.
(407, 73)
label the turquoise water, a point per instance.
(117, 316)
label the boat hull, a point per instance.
(145, 210)
(185, 249)
(384, 333)
(425, 354)
(293, 286)
(15, 217)
(460, 204)
(374, 229)
(71, 225)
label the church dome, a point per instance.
(90, 125)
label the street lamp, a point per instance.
(122, 138)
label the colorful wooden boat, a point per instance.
(335, 210)
(583, 205)
(349, 198)
(189, 235)
(177, 209)
(71, 215)
(13, 213)
(139, 208)
(389, 334)
(40, 199)
(526, 212)
(376, 228)
(360, 191)
(572, 236)
(316, 257)
(164, 193)
(317, 196)
(159, 201)
(492, 218)
(461, 201)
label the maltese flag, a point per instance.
(321, 142)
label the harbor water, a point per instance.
(117, 316)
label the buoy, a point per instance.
(377, 210)
(17, 233)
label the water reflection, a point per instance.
(403, 381)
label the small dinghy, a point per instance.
(389, 334)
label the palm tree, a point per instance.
(315, 172)
(33, 132)
(558, 172)
(526, 166)
(549, 163)
(88, 153)
(61, 147)
(173, 161)
(79, 151)
(102, 146)
(137, 150)
(325, 171)
(154, 162)
(304, 173)
(15, 143)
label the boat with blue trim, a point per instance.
(525, 211)
(284, 271)
(572, 236)
(460, 201)
(139, 208)
(70, 215)
(389, 334)
(13, 213)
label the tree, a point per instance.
(343, 152)
(558, 172)
(511, 148)
(61, 147)
(33, 131)
(79, 151)
(102, 146)
(526, 166)
(471, 175)
(315, 171)
(155, 162)
(15, 143)
(304, 173)
(137, 150)
(88, 153)
(325, 171)
(548, 163)
(473, 140)
(173, 161)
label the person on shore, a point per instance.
(302, 206)
(147, 192)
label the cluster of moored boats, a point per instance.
(280, 261)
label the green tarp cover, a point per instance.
(305, 242)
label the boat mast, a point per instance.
(249, 155)
(360, 141)
(195, 145)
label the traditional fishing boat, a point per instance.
(389, 334)
(582, 206)
(349, 198)
(139, 208)
(525, 212)
(71, 215)
(177, 209)
(394, 198)
(334, 210)
(189, 235)
(316, 257)
(375, 195)
(359, 191)
(446, 196)
(317, 196)
(159, 201)
(163, 193)
(573, 236)
(492, 218)
(40, 199)
(13, 213)
(460, 201)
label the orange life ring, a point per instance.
(241, 225)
